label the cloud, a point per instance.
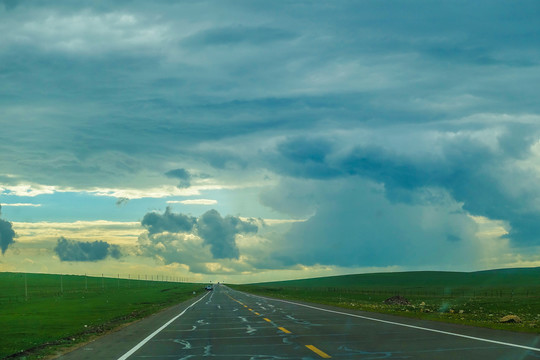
(22, 205)
(356, 225)
(219, 233)
(238, 35)
(267, 95)
(194, 202)
(122, 201)
(186, 177)
(7, 234)
(210, 231)
(30, 190)
(10, 4)
(181, 174)
(70, 250)
(84, 32)
(479, 164)
(168, 222)
(188, 250)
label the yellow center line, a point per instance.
(318, 352)
(256, 313)
(284, 330)
(266, 319)
(250, 309)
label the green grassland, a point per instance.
(477, 298)
(40, 314)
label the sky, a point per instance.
(246, 141)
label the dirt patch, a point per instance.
(397, 300)
(510, 319)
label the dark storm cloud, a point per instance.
(471, 173)
(70, 250)
(356, 225)
(168, 221)
(480, 173)
(306, 157)
(404, 96)
(363, 63)
(219, 233)
(181, 174)
(10, 4)
(7, 234)
(186, 177)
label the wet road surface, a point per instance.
(228, 324)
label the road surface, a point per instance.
(228, 324)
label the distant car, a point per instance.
(209, 287)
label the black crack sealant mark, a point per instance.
(373, 354)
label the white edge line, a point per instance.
(407, 325)
(139, 345)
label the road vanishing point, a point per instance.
(228, 324)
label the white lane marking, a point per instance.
(139, 345)
(410, 326)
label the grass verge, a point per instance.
(477, 299)
(57, 313)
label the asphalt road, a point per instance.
(227, 324)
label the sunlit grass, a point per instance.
(479, 299)
(63, 311)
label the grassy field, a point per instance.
(41, 313)
(478, 298)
